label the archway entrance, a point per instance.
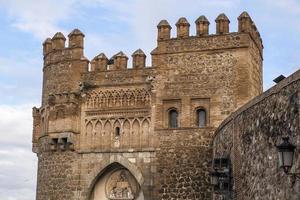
(117, 183)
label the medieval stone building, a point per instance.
(106, 131)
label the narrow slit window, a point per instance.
(117, 132)
(201, 118)
(173, 118)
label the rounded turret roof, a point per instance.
(222, 17)
(139, 52)
(47, 41)
(101, 56)
(120, 54)
(59, 35)
(182, 21)
(76, 32)
(202, 18)
(163, 23)
(244, 15)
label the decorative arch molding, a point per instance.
(99, 133)
(103, 166)
(118, 98)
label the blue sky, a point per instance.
(109, 26)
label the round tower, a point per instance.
(63, 65)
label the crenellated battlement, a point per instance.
(55, 49)
(245, 24)
(119, 61)
(58, 41)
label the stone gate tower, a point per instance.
(105, 131)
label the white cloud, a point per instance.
(40, 18)
(17, 162)
(15, 125)
(20, 79)
(43, 18)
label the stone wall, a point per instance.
(184, 160)
(56, 177)
(249, 137)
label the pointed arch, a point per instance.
(117, 129)
(88, 134)
(107, 134)
(114, 161)
(98, 135)
(145, 130)
(135, 133)
(125, 142)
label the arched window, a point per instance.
(117, 132)
(173, 118)
(201, 118)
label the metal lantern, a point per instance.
(215, 178)
(286, 154)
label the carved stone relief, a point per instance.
(121, 185)
(118, 98)
(100, 134)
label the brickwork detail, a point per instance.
(118, 98)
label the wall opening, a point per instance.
(201, 118)
(173, 118)
(117, 132)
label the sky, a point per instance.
(109, 26)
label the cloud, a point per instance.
(20, 79)
(44, 18)
(40, 18)
(143, 17)
(17, 162)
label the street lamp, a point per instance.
(214, 178)
(286, 152)
(221, 179)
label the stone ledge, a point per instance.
(117, 151)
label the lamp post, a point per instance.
(286, 152)
(221, 179)
(214, 178)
